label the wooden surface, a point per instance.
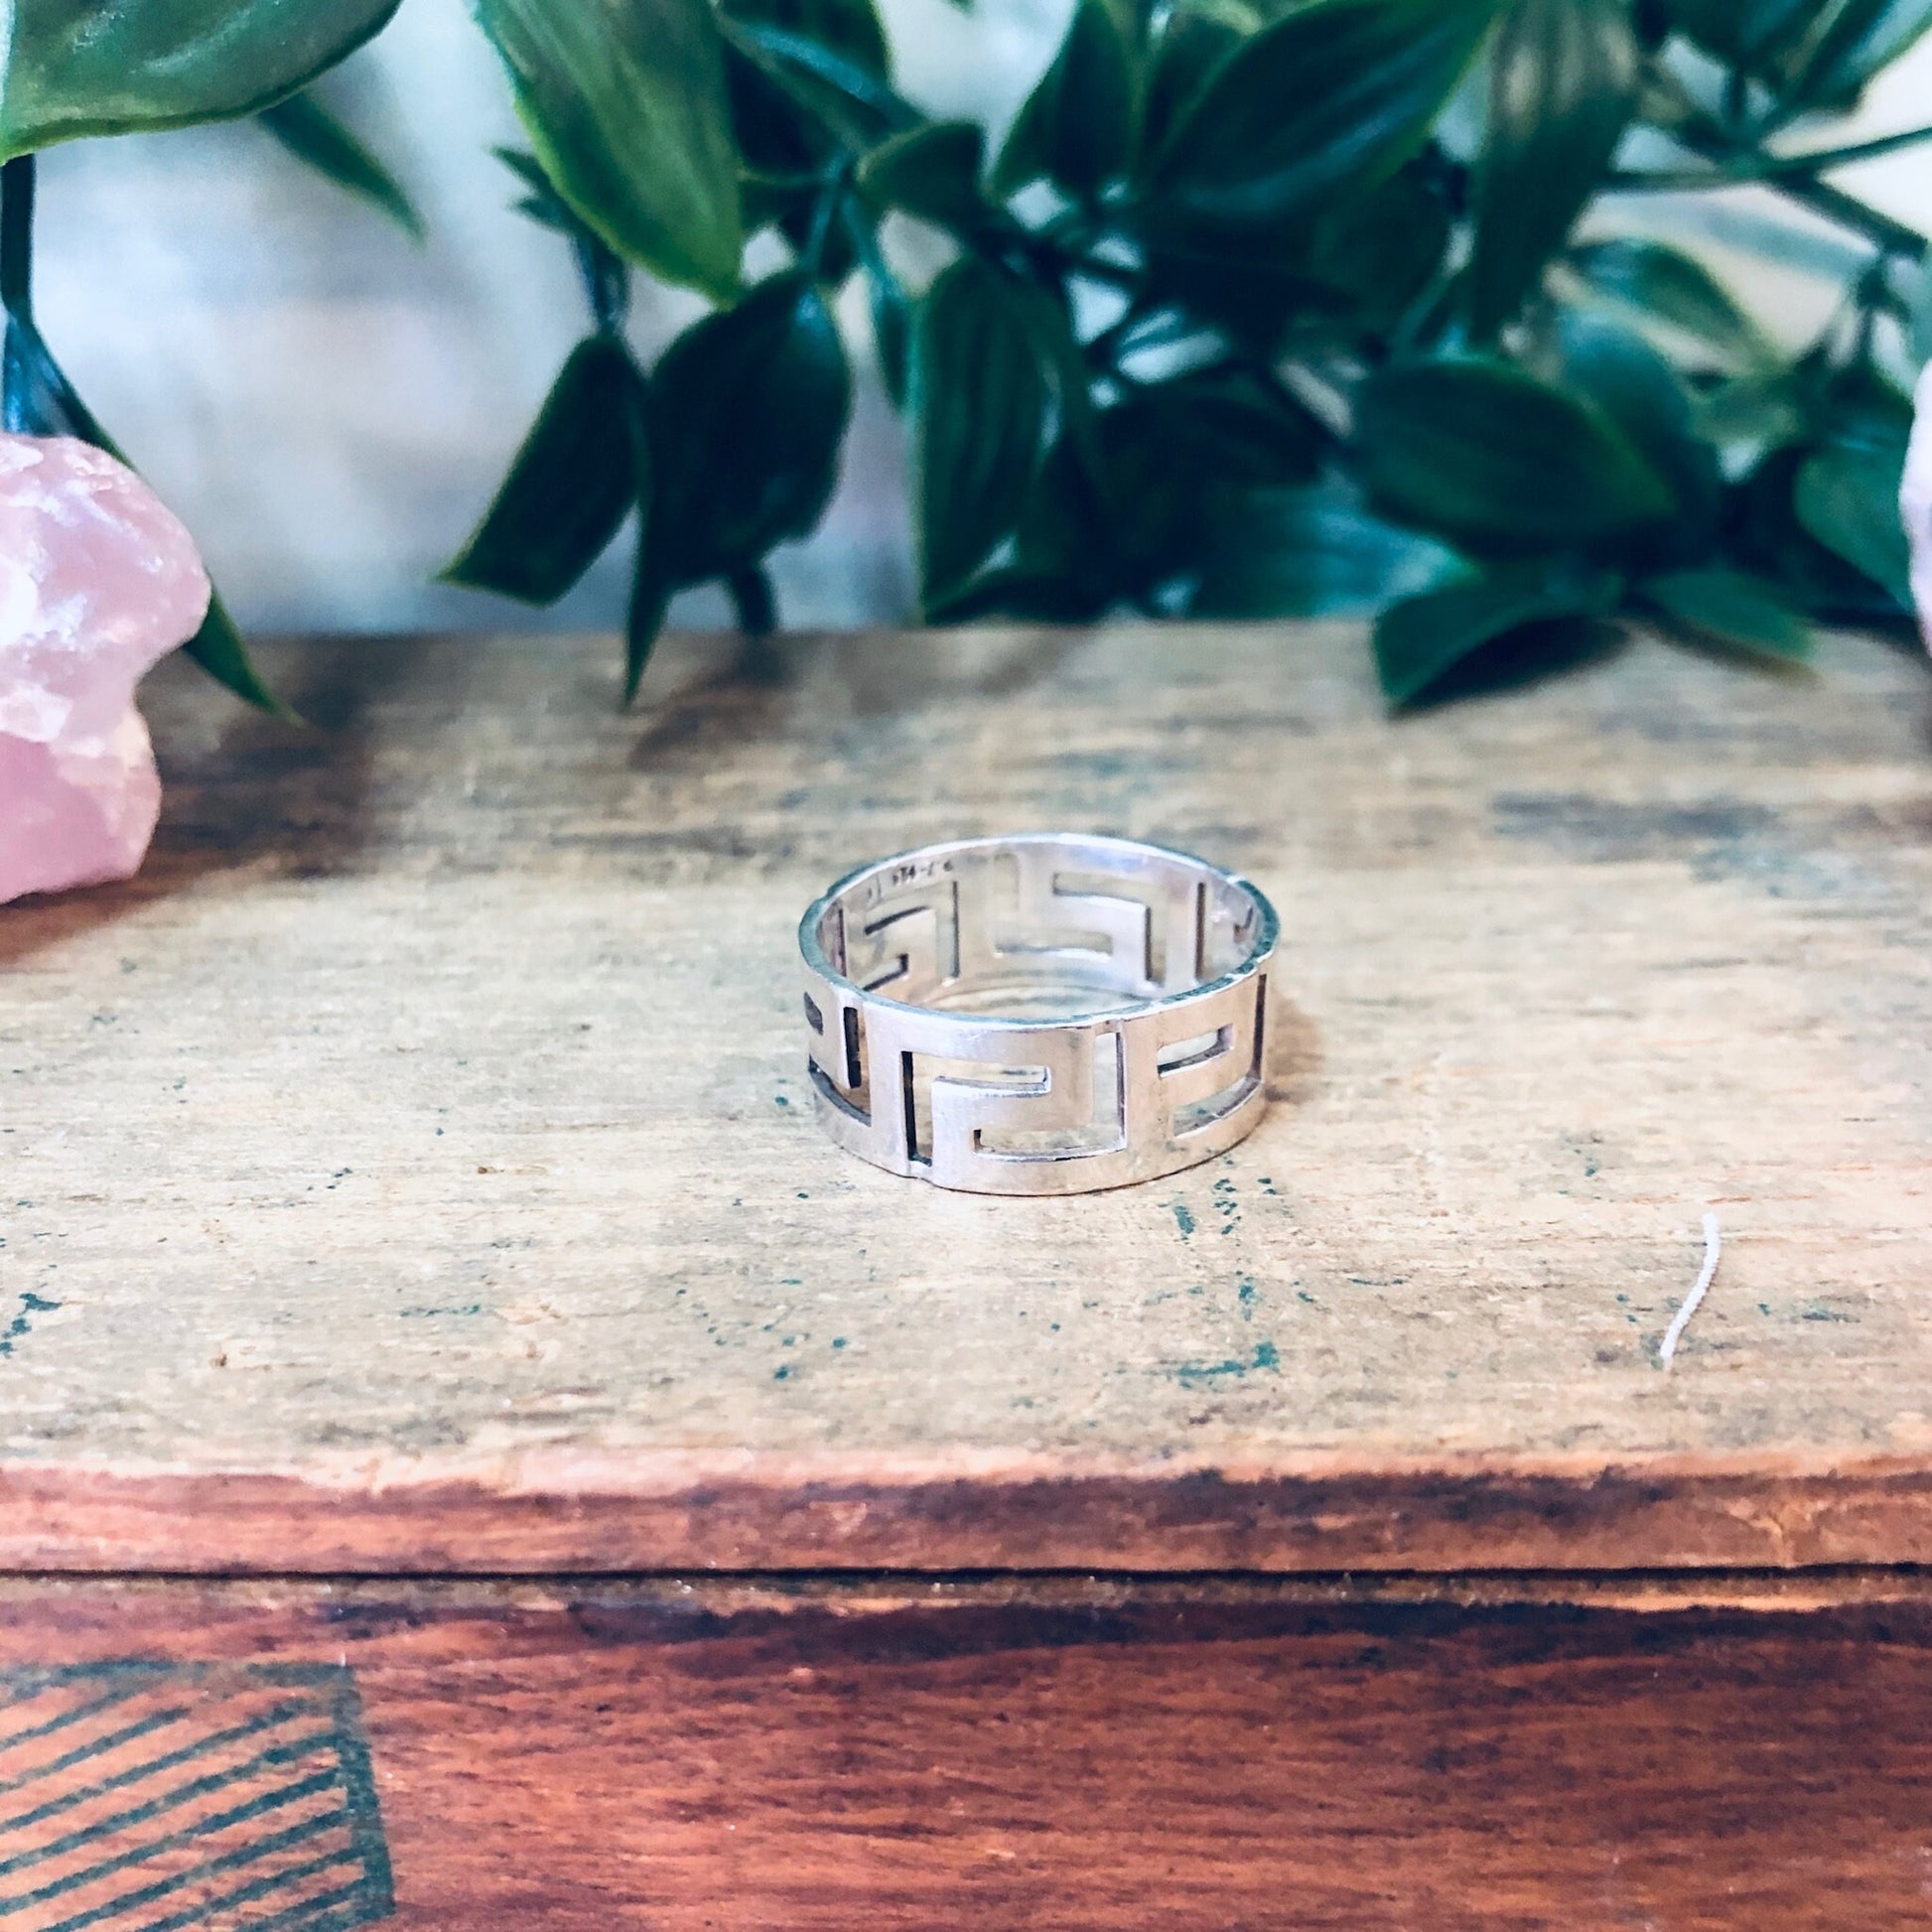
(568, 1758)
(415, 1168)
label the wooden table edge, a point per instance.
(797, 1514)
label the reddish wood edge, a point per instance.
(697, 1756)
(1386, 1520)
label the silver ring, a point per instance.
(1046, 1014)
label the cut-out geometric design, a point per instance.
(923, 1058)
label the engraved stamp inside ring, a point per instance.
(1045, 1014)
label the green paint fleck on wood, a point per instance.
(1265, 1356)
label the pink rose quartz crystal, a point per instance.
(97, 581)
(1915, 504)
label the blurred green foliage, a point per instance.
(1262, 308)
(1259, 310)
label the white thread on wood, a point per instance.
(1713, 1248)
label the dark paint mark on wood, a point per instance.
(1265, 1356)
(22, 1325)
(140, 1796)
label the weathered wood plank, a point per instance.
(1042, 1754)
(415, 1168)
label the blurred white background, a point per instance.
(329, 406)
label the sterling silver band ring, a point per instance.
(1046, 1014)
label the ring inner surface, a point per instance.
(1038, 930)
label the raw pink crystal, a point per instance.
(97, 581)
(1915, 504)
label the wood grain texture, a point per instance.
(1094, 1757)
(415, 1168)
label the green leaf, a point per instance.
(115, 66)
(1744, 33)
(765, 198)
(1847, 498)
(310, 132)
(842, 98)
(1657, 282)
(568, 487)
(932, 172)
(1762, 534)
(1563, 76)
(1861, 408)
(651, 591)
(1193, 41)
(1130, 497)
(1076, 127)
(1419, 640)
(1333, 97)
(1639, 393)
(219, 649)
(1017, 591)
(626, 106)
(43, 402)
(979, 407)
(1316, 553)
(1362, 264)
(1382, 250)
(748, 410)
(1255, 285)
(1068, 535)
(1750, 416)
(776, 135)
(1224, 424)
(1732, 607)
(850, 29)
(1849, 41)
(1482, 451)
(786, 119)
(542, 202)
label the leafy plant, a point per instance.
(119, 66)
(1262, 308)
(321, 141)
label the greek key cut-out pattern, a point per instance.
(1048, 1105)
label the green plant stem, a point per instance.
(16, 288)
(1736, 97)
(1772, 167)
(825, 213)
(1893, 237)
(752, 598)
(1862, 336)
(17, 236)
(607, 283)
(1057, 257)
